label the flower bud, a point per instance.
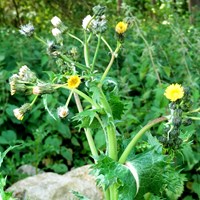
(62, 111)
(19, 112)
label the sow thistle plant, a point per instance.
(119, 173)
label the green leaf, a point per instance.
(149, 164)
(116, 105)
(109, 172)
(59, 168)
(66, 153)
(196, 188)
(8, 137)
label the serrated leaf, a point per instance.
(149, 164)
(109, 172)
(116, 105)
(87, 119)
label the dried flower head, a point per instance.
(27, 29)
(25, 74)
(19, 112)
(121, 27)
(87, 22)
(44, 88)
(12, 81)
(73, 81)
(62, 111)
(56, 32)
(174, 92)
(56, 21)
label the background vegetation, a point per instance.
(161, 47)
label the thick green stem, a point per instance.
(96, 52)
(113, 192)
(130, 146)
(88, 132)
(112, 142)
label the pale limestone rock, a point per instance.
(51, 186)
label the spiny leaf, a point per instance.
(109, 172)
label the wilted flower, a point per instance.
(87, 22)
(174, 92)
(56, 32)
(44, 88)
(73, 81)
(27, 30)
(19, 112)
(12, 81)
(23, 70)
(99, 25)
(121, 27)
(52, 49)
(25, 74)
(62, 111)
(56, 21)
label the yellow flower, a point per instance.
(121, 27)
(174, 92)
(73, 81)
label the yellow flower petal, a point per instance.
(74, 81)
(174, 92)
(121, 27)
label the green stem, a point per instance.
(113, 192)
(130, 146)
(69, 98)
(193, 111)
(76, 38)
(86, 53)
(96, 106)
(194, 118)
(96, 52)
(39, 39)
(106, 43)
(88, 132)
(112, 142)
(114, 54)
(35, 98)
(107, 194)
(150, 53)
(67, 59)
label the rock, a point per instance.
(51, 186)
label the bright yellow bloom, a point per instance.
(73, 81)
(121, 27)
(174, 92)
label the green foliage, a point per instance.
(109, 172)
(166, 43)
